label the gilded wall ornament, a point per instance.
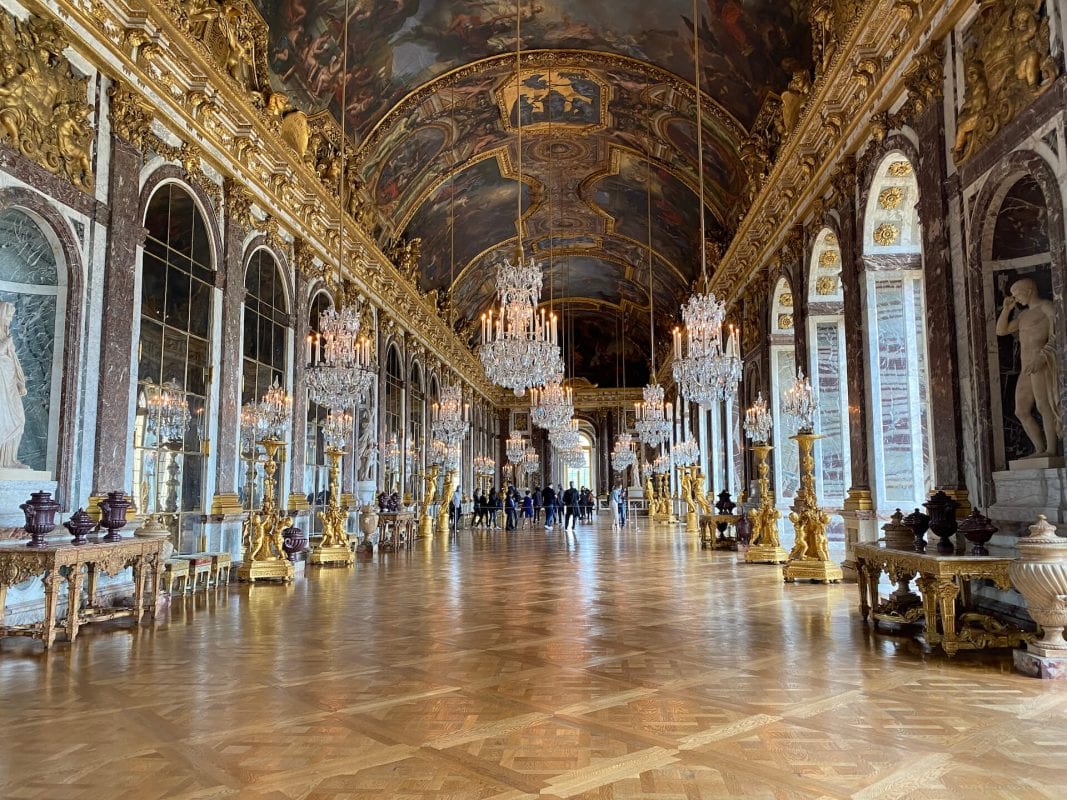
(899, 169)
(130, 115)
(891, 197)
(886, 234)
(826, 285)
(829, 257)
(1007, 63)
(785, 322)
(235, 36)
(44, 113)
(786, 300)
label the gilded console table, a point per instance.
(944, 581)
(396, 529)
(80, 566)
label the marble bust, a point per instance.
(12, 390)
(1038, 386)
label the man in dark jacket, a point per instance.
(570, 505)
(548, 498)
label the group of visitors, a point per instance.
(521, 509)
(617, 501)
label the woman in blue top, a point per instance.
(527, 511)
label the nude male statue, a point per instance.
(1039, 383)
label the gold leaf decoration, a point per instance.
(886, 234)
(899, 169)
(785, 322)
(786, 300)
(829, 258)
(826, 285)
(891, 197)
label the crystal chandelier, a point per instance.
(531, 461)
(520, 346)
(170, 410)
(336, 428)
(552, 405)
(275, 412)
(704, 368)
(451, 456)
(801, 404)
(623, 455)
(758, 422)
(653, 416)
(390, 451)
(566, 437)
(340, 367)
(662, 464)
(451, 417)
(686, 453)
(252, 426)
(573, 457)
(484, 466)
(438, 452)
(515, 447)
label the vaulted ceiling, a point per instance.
(608, 146)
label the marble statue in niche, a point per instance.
(1037, 387)
(12, 392)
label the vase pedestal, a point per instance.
(277, 569)
(691, 523)
(821, 571)
(766, 554)
(337, 554)
(1050, 668)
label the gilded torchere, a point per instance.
(334, 547)
(451, 480)
(429, 495)
(264, 530)
(765, 548)
(809, 559)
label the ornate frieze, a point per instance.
(1006, 63)
(44, 109)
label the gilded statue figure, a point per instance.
(406, 255)
(810, 526)
(1038, 385)
(793, 99)
(74, 137)
(650, 494)
(12, 390)
(974, 107)
(700, 497)
(686, 487)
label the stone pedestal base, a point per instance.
(861, 525)
(339, 554)
(766, 554)
(278, 569)
(821, 571)
(1022, 494)
(426, 522)
(1050, 668)
(691, 524)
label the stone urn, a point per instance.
(1040, 575)
(113, 510)
(978, 530)
(40, 511)
(942, 511)
(153, 528)
(898, 536)
(294, 542)
(79, 525)
(919, 524)
(368, 524)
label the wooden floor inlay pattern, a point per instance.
(600, 666)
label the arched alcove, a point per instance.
(316, 470)
(783, 374)
(897, 340)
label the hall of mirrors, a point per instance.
(295, 298)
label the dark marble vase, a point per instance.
(919, 524)
(79, 525)
(725, 506)
(942, 511)
(40, 511)
(113, 510)
(978, 530)
(294, 542)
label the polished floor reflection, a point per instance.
(527, 664)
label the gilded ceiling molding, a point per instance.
(850, 85)
(228, 111)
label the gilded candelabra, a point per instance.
(809, 558)
(429, 495)
(686, 478)
(264, 530)
(334, 546)
(451, 479)
(765, 548)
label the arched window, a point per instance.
(896, 328)
(173, 359)
(266, 327)
(394, 413)
(826, 332)
(316, 472)
(32, 312)
(783, 375)
(417, 421)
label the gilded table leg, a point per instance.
(51, 596)
(75, 578)
(138, 588)
(874, 573)
(928, 589)
(157, 585)
(865, 606)
(948, 590)
(91, 570)
(3, 600)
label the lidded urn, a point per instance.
(1040, 575)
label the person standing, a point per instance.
(548, 497)
(456, 507)
(570, 505)
(509, 509)
(615, 501)
(527, 510)
(537, 504)
(490, 507)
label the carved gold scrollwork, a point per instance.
(238, 204)
(1007, 63)
(130, 115)
(44, 113)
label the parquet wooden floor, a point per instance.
(498, 666)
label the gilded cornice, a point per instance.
(586, 398)
(876, 65)
(233, 129)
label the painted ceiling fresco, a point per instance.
(607, 113)
(748, 47)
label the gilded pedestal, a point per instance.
(429, 494)
(263, 531)
(809, 560)
(765, 548)
(334, 547)
(446, 495)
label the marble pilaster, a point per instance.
(112, 446)
(298, 451)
